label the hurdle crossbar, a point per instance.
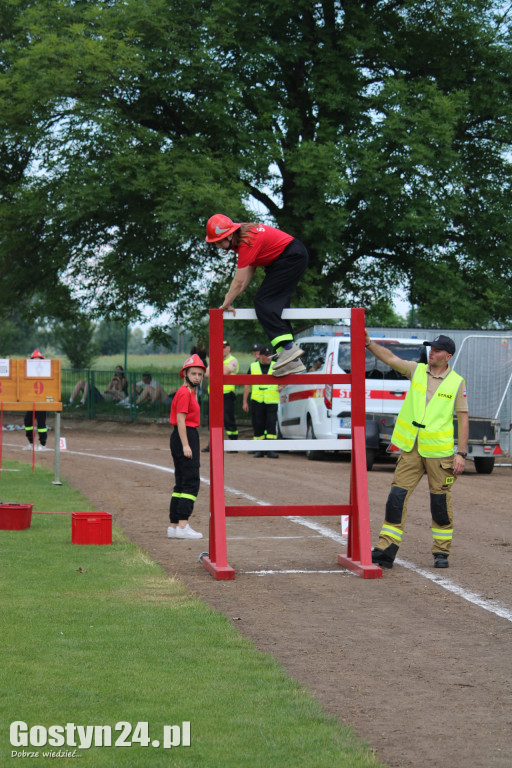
(358, 556)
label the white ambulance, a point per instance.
(322, 412)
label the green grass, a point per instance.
(97, 635)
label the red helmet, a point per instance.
(194, 361)
(36, 354)
(218, 227)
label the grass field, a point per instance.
(100, 635)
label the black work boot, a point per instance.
(272, 455)
(259, 455)
(441, 560)
(379, 557)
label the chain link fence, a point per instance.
(86, 395)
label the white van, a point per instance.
(322, 412)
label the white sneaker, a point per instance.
(27, 447)
(287, 355)
(171, 532)
(187, 533)
(42, 448)
(292, 366)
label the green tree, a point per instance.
(16, 337)
(382, 313)
(376, 132)
(19, 336)
(75, 339)
(136, 344)
(110, 337)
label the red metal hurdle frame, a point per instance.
(358, 558)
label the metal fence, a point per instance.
(486, 363)
(87, 389)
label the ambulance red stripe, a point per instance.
(372, 394)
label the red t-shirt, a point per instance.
(267, 244)
(185, 401)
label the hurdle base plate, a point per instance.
(370, 571)
(219, 572)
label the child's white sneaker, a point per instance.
(187, 533)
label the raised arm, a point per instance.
(385, 355)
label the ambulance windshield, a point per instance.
(375, 369)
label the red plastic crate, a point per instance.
(91, 528)
(15, 517)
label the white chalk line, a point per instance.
(471, 597)
(497, 609)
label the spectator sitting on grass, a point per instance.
(118, 386)
(117, 389)
(148, 390)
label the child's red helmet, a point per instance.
(218, 227)
(194, 361)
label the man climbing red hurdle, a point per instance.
(284, 259)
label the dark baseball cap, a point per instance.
(257, 346)
(442, 342)
(266, 351)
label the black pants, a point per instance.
(264, 420)
(229, 416)
(42, 429)
(276, 290)
(186, 476)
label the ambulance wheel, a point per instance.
(310, 435)
(370, 458)
(484, 465)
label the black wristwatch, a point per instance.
(461, 453)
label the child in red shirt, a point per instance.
(284, 259)
(185, 418)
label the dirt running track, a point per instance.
(418, 670)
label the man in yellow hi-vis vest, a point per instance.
(230, 364)
(425, 435)
(264, 402)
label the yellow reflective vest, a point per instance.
(432, 424)
(266, 393)
(230, 387)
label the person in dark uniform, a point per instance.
(185, 417)
(230, 364)
(264, 402)
(40, 419)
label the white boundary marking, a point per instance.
(498, 609)
(472, 597)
